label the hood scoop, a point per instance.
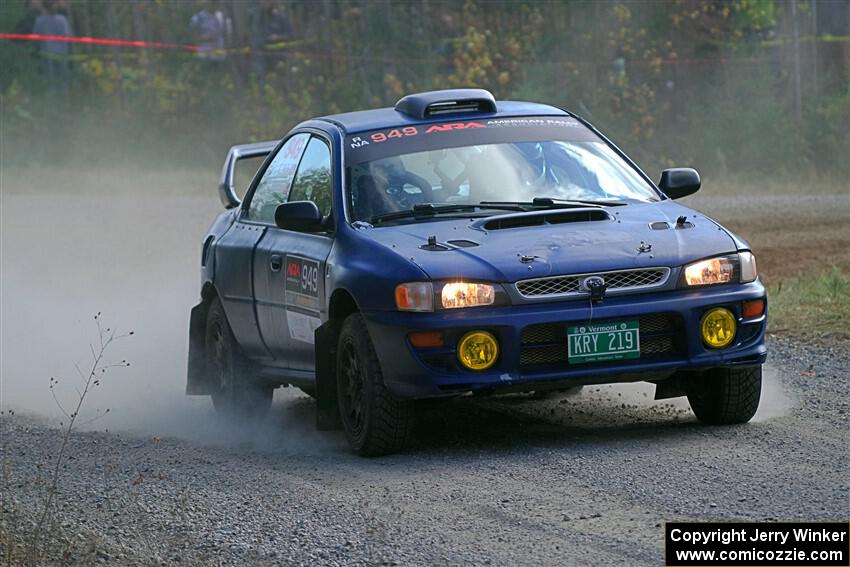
(434, 246)
(463, 243)
(540, 218)
(681, 222)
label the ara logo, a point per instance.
(453, 126)
(591, 283)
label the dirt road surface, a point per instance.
(502, 481)
(587, 480)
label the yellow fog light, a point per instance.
(718, 327)
(478, 350)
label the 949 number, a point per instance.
(379, 137)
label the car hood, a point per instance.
(623, 238)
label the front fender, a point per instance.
(369, 271)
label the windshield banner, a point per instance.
(400, 140)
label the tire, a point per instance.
(375, 422)
(724, 396)
(234, 394)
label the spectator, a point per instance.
(55, 62)
(27, 22)
(24, 55)
(210, 27)
(268, 26)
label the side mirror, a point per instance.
(679, 182)
(300, 216)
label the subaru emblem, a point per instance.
(588, 283)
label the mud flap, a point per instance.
(327, 409)
(675, 386)
(196, 378)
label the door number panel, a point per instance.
(302, 282)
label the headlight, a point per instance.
(415, 296)
(749, 272)
(734, 268)
(712, 271)
(461, 294)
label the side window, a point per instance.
(273, 188)
(313, 180)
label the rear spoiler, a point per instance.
(226, 191)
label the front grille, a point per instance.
(545, 345)
(622, 280)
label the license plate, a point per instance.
(599, 342)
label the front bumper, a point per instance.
(420, 373)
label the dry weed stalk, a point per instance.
(89, 381)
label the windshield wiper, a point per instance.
(425, 210)
(552, 203)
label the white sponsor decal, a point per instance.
(302, 327)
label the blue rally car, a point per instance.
(456, 244)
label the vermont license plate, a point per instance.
(599, 342)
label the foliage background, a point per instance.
(706, 83)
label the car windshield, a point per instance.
(548, 159)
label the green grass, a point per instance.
(811, 307)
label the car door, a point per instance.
(271, 190)
(234, 253)
(296, 264)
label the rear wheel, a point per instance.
(235, 393)
(724, 396)
(375, 422)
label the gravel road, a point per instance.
(582, 480)
(503, 481)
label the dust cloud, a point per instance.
(124, 242)
(775, 398)
(76, 243)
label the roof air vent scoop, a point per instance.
(452, 101)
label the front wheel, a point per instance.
(375, 422)
(234, 391)
(724, 396)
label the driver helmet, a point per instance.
(534, 157)
(391, 170)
